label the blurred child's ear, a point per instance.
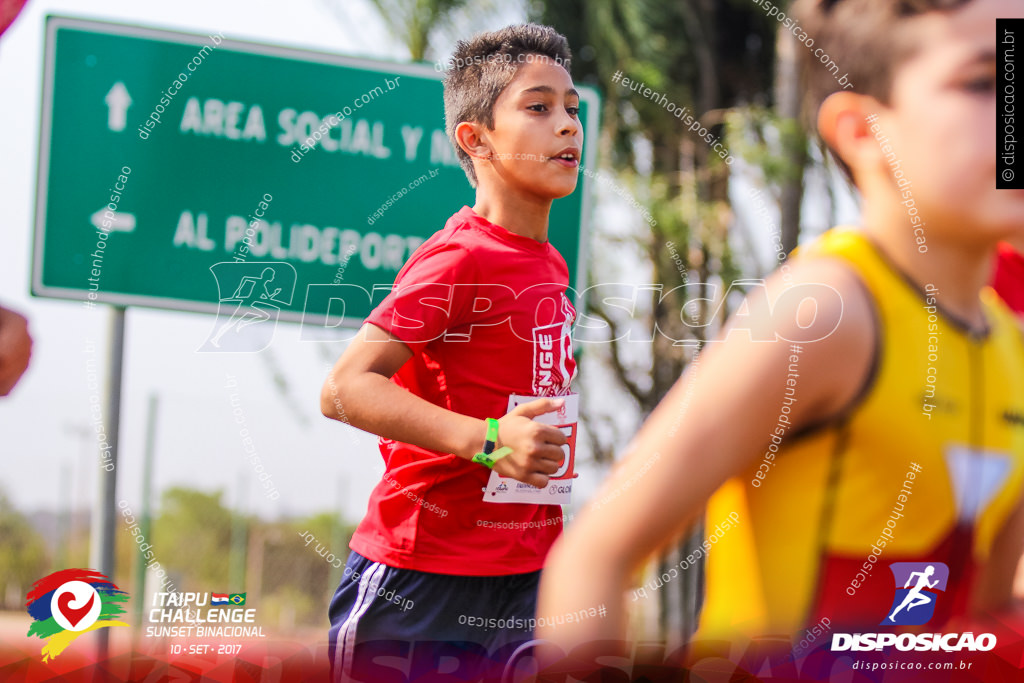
(845, 122)
(470, 137)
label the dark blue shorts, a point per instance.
(386, 620)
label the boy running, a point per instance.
(866, 411)
(476, 327)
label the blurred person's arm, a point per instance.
(359, 392)
(713, 424)
(15, 349)
(1018, 585)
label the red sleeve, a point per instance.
(1009, 277)
(432, 293)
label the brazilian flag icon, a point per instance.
(237, 598)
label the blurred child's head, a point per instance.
(912, 118)
(511, 109)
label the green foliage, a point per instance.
(414, 21)
(766, 140)
(292, 580)
(699, 55)
(192, 536)
(24, 557)
(299, 577)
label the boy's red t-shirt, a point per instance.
(1009, 277)
(485, 314)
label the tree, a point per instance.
(192, 537)
(413, 21)
(302, 566)
(24, 557)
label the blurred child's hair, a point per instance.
(866, 39)
(483, 66)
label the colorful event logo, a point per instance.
(71, 602)
(914, 604)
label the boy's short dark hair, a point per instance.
(483, 66)
(865, 38)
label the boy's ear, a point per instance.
(843, 124)
(470, 137)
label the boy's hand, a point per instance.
(536, 448)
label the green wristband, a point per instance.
(491, 440)
(489, 459)
(489, 456)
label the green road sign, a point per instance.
(165, 154)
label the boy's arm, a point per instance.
(15, 349)
(994, 588)
(359, 392)
(715, 422)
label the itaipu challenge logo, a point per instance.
(70, 602)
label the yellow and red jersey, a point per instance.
(938, 399)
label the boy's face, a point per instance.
(536, 122)
(942, 124)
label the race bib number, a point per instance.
(559, 489)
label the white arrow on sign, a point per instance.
(124, 222)
(118, 100)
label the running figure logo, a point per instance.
(915, 604)
(257, 293)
